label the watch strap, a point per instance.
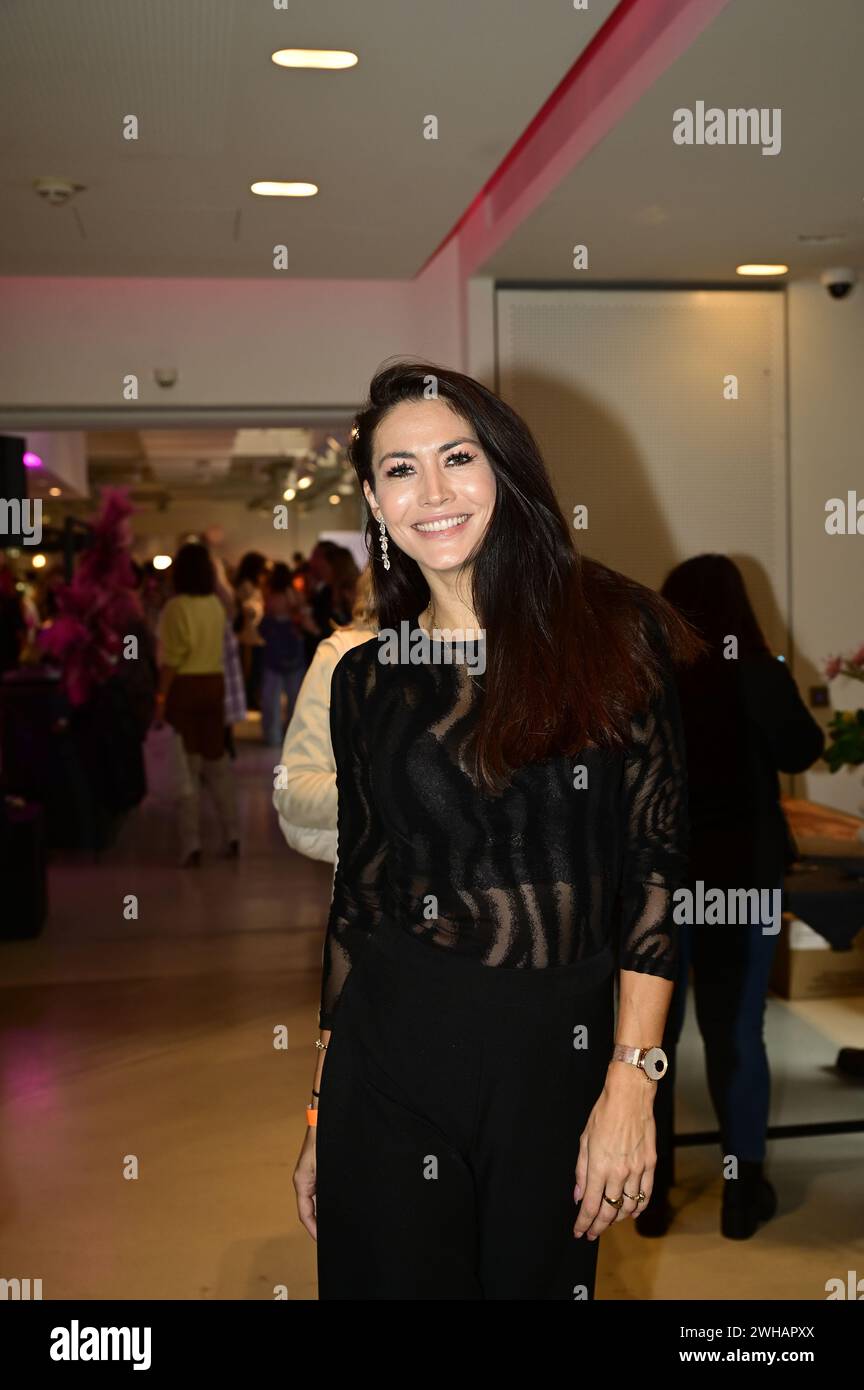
(652, 1061)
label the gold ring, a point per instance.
(637, 1200)
(613, 1202)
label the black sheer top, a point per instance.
(561, 865)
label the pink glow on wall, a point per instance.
(32, 460)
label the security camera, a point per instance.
(838, 282)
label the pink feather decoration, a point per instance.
(94, 611)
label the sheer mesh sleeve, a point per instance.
(656, 836)
(355, 908)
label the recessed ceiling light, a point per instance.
(272, 188)
(334, 499)
(38, 562)
(161, 562)
(54, 492)
(289, 494)
(756, 269)
(314, 58)
(305, 481)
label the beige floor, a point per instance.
(154, 1038)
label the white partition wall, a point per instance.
(664, 413)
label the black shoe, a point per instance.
(850, 1061)
(656, 1219)
(192, 860)
(747, 1200)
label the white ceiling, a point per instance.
(649, 209)
(215, 114)
(229, 464)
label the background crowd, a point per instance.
(92, 661)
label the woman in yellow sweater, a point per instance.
(191, 698)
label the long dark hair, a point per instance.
(709, 591)
(251, 568)
(192, 571)
(570, 654)
(345, 576)
(279, 578)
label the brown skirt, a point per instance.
(195, 707)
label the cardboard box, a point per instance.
(805, 967)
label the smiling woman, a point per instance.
(508, 833)
(454, 479)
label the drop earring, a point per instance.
(383, 537)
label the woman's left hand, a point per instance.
(617, 1151)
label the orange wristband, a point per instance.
(312, 1116)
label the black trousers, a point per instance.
(451, 1106)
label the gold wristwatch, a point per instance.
(652, 1060)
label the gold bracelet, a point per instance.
(322, 1046)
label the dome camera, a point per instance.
(838, 282)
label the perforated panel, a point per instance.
(624, 391)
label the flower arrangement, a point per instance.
(846, 729)
(86, 637)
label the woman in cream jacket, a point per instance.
(306, 803)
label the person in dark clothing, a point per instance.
(12, 625)
(511, 830)
(284, 657)
(320, 594)
(744, 721)
(344, 571)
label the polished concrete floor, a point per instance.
(151, 1040)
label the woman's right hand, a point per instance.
(304, 1183)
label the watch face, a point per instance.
(655, 1063)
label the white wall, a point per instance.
(626, 392)
(481, 348)
(826, 429)
(70, 342)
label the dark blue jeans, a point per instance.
(272, 685)
(731, 967)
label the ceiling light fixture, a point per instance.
(756, 269)
(314, 58)
(271, 188)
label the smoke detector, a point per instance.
(57, 192)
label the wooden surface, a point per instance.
(822, 830)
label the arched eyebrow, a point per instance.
(442, 449)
